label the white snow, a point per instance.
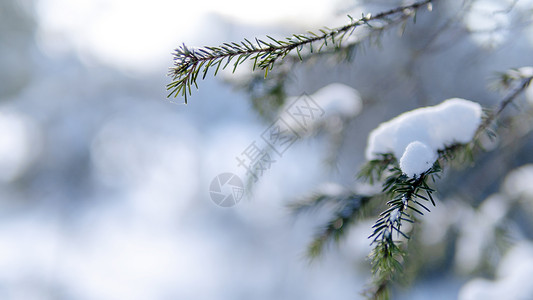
(526, 71)
(417, 159)
(330, 103)
(115, 26)
(517, 184)
(488, 25)
(338, 99)
(477, 231)
(331, 189)
(433, 128)
(395, 215)
(513, 278)
(19, 144)
(518, 73)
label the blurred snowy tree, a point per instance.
(445, 49)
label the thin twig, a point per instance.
(504, 103)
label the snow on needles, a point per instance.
(416, 136)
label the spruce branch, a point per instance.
(191, 62)
(407, 196)
(348, 206)
(387, 262)
(507, 79)
(266, 95)
(338, 225)
(374, 169)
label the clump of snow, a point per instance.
(417, 159)
(478, 231)
(433, 128)
(517, 186)
(331, 189)
(338, 99)
(518, 183)
(19, 144)
(526, 71)
(488, 27)
(523, 72)
(328, 105)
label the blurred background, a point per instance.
(104, 182)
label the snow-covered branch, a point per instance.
(411, 148)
